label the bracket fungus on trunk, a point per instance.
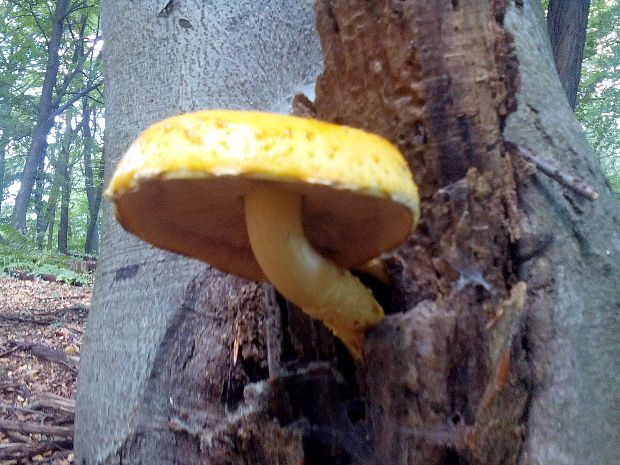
(292, 200)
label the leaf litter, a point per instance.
(41, 330)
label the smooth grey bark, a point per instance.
(164, 58)
(574, 322)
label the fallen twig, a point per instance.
(10, 351)
(16, 451)
(549, 168)
(49, 400)
(37, 428)
(46, 353)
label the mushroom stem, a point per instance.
(320, 287)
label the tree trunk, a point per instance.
(3, 143)
(567, 22)
(63, 169)
(166, 310)
(39, 204)
(36, 152)
(50, 211)
(93, 187)
(500, 342)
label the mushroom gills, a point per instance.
(321, 288)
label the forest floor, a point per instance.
(41, 330)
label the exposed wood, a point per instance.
(442, 99)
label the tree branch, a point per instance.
(74, 98)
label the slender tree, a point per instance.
(64, 167)
(93, 179)
(3, 143)
(56, 96)
(567, 22)
(45, 120)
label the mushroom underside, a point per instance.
(206, 220)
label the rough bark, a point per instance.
(499, 325)
(172, 343)
(447, 379)
(36, 152)
(567, 22)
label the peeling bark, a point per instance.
(439, 79)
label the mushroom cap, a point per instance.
(181, 183)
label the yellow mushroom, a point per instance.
(292, 200)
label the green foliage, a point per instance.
(24, 32)
(598, 98)
(60, 274)
(598, 104)
(20, 254)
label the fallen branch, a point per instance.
(49, 400)
(17, 437)
(554, 172)
(44, 352)
(37, 428)
(16, 451)
(31, 321)
(53, 355)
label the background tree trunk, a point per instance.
(64, 180)
(567, 22)
(158, 359)
(36, 153)
(93, 186)
(3, 143)
(50, 209)
(500, 342)
(39, 204)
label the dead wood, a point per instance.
(43, 352)
(53, 401)
(17, 451)
(36, 428)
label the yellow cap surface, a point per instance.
(180, 186)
